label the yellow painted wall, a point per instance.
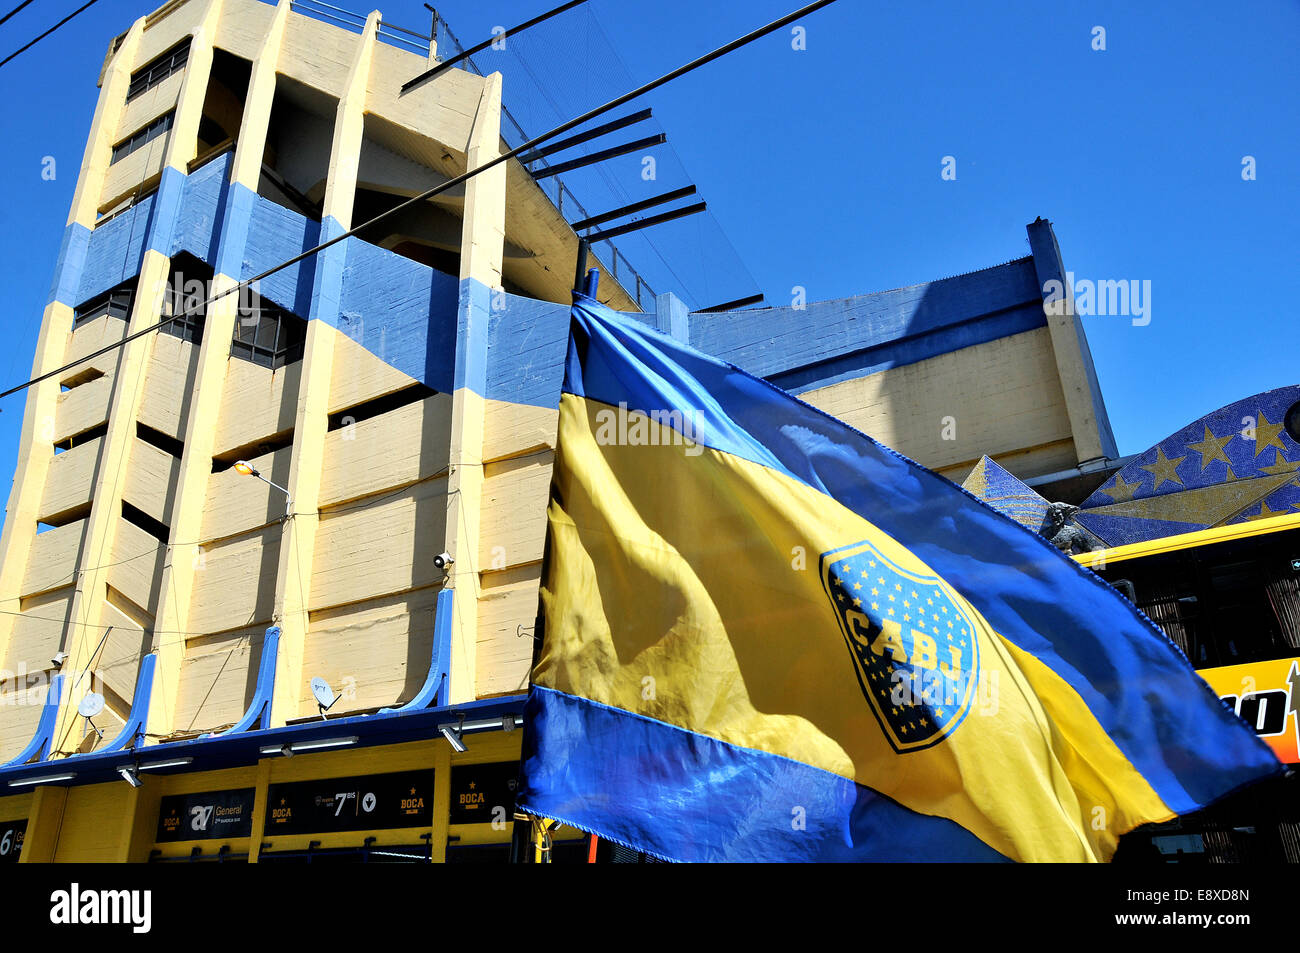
(137, 566)
(218, 676)
(235, 581)
(168, 377)
(53, 558)
(1003, 395)
(115, 822)
(379, 545)
(376, 652)
(81, 408)
(256, 403)
(96, 820)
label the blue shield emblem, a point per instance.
(912, 645)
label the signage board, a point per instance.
(205, 816)
(479, 790)
(370, 802)
(11, 840)
(1266, 696)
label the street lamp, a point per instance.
(246, 468)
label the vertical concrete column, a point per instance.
(441, 802)
(482, 249)
(672, 318)
(209, 380)
(297, 548)
(1089, 422)
(43, 825)
(140, 822)
(260, 790)
(128, 385)
(36, 443)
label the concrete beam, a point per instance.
(1089, 421)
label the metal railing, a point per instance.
(389, 33)
(559, 194)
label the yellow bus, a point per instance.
(1229, 597)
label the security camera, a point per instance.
(129, 776)
(443, 560)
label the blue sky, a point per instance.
(823, 165)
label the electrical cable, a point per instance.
(14, 10)
(451, 183)
(28, 46)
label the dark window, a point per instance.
(379, 405)
(142, 520)
(268, 335)
(142, 137)
(116, 303)
(77, 439)
(156, 438)
(251, 451)
(188, 286)
(150, 75)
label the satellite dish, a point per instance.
(324, 695)
(91, 704)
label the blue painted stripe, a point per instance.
(472, 319)
(910, 349)
(115, 251)
(327, 284)
(201, 219)
(236, 220)
(526, 342)
(884, 329)
(276, 234)
(68, 269)
(685, 796)
(166, 210)
(401, 311)
(1137, 684)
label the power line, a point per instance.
(81, 9)
(14, 10)
(497, 38)
(450, 183)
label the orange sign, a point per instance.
(1266, 696)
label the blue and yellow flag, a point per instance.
(768, 637)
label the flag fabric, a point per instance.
(768, 637)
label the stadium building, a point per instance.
(270, 570)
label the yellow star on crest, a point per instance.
(1264, 512)
(1266, 435)
(1283, 465)
(1164, 470)
(1123, 491)
(1211, 448)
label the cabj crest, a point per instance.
(912, 644)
